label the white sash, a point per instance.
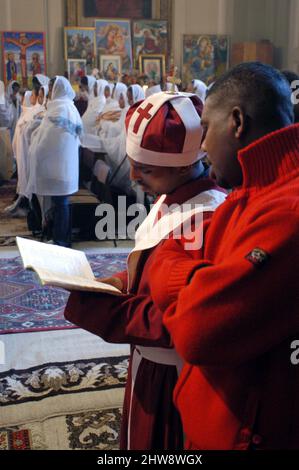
(152, 231)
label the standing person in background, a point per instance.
(54, 159)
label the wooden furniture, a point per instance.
(262, 51)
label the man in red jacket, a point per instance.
(235, 314)
(163, 144)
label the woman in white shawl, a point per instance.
(96, 104)
(14, 105)
(115, 148)
(19, 207)
(27, 123)
(54, 156)
(112, 119)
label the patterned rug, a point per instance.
(93, 430)
(26, 306)
(71, 405)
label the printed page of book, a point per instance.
(61, 267)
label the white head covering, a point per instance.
(120, 88)
(27, 96)
(137, 93)
(2, 92)
(95, 73)
(152, 90)
(111, 86)
(95, 106)
(62, 89)
(101, 86)
(9, 88)
(46, 91)
(43, 79)
(91, 80)
(200, 89)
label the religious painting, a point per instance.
(76, 70)
(149, 37)
(205, 57)
(113, 37)
(110, 66)
(153, 66)
(24, 56)
(80, 43)
(118, 8)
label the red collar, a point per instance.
(274, 156)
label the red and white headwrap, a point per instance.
(165, 130)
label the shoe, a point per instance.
(18, 212)
(13, 206)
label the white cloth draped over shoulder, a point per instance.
(28, 122)
(95, 106)
(200, 89)
(137, 92)
(2, 93)
(13, 109)
(5, 110)
(54, 159)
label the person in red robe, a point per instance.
(234, 314)
(163, 144)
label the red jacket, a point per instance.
(234, 315)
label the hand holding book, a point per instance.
(61, 267)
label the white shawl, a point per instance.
(137, 92)
(95, 106)
(54, 160)
(200, 89)
(152, 90)
(43, 79)
(27, 123)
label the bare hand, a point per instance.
(113, 281)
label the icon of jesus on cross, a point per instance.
(23, 43)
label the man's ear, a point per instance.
(239, 122)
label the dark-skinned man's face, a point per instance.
(221, 141)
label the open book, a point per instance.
(61, 267)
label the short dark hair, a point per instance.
(261, 90)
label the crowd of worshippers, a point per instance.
(52, 127)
